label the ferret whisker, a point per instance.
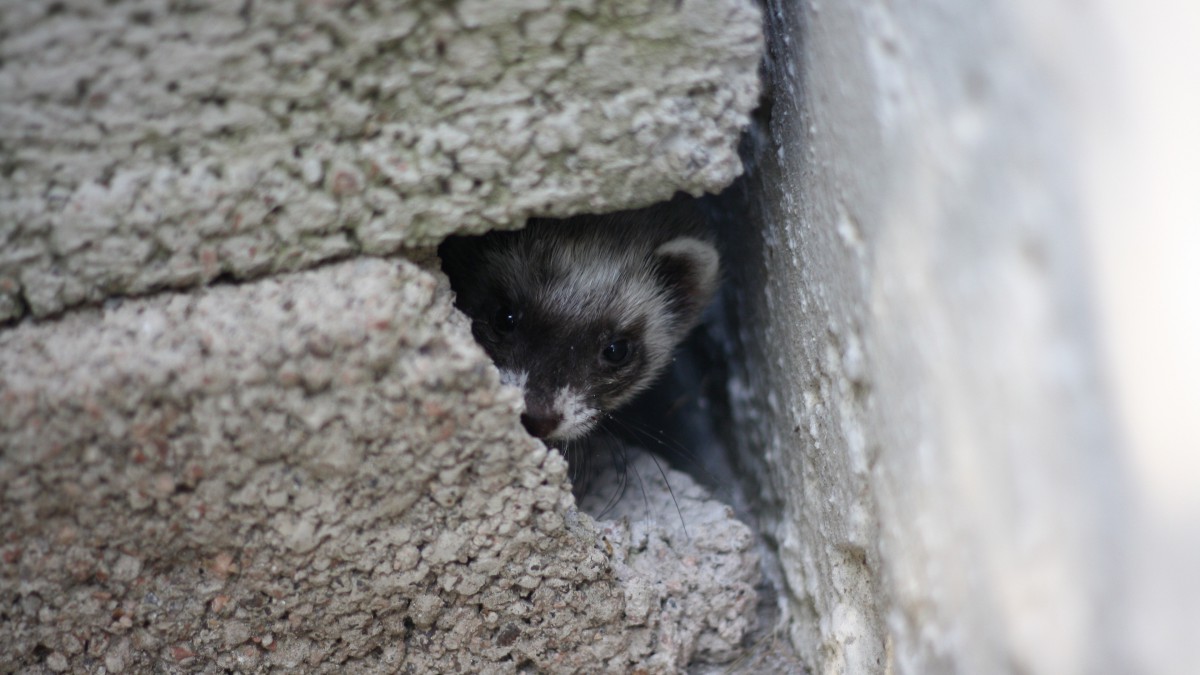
(620, 462)
(668, 445)
(623, 467)
(662, 472)
(674, 449)
(578, 464)
(571, 455)
(645, 495)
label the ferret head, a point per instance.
(580, 315)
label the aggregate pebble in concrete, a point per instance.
(147, 144)
(320, 471)
(682, 557)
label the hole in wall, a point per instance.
(682, 422)
(586, 312)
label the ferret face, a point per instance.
(572, 369)
(580, 318)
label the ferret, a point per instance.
(583, 313)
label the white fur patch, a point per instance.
(578, 418)
(514, 378)
(609, 277)
(702, 256)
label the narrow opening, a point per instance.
(611, 325)
(534, 310)
(657, 456)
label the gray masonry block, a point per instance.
(310, 465)
(148, 144)
(917, 379)
(321, 470)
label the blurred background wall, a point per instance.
(965, 369)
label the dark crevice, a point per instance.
(24, 309)
(41, 652)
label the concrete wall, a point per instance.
(150, 145)
(968, 423)
(310, 465)
(936, 388)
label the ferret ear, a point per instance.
(689, 269)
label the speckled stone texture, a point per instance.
(310, 465)
(914, 375)
(687, 565)
(152, 144)
(320, 471)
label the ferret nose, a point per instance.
(541, 424)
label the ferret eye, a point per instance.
(617, 352)
(504, 320)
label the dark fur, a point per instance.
(561, 300)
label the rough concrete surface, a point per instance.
(320, 471)
(310, 465)
(654, 515)
(150, 144)
(914, 377)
